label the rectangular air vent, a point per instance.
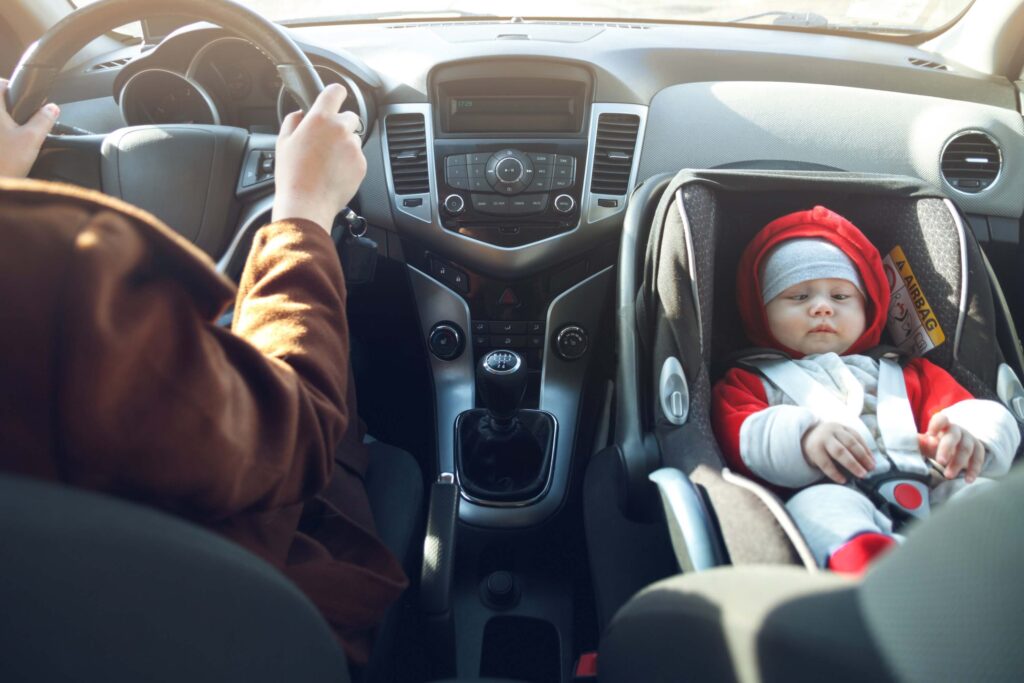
(407, 148)
(613, 153)
(927, 64)
(112, 64)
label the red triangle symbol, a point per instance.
(508, 298)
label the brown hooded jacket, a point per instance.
(116, 379)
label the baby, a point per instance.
(819, 295)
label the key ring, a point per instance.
(356, 223)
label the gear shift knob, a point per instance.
(501, 379)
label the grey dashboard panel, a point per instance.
(703, 125)
(633, 61)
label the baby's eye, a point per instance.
(840, 297)
(799, 297)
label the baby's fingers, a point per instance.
(841, 454)
(945, 452)
(927, 444)
(823, 461)
(858, 449)
(977, 462)
(938, 424)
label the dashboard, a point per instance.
(227, 82)
(529, 99)
(501, 157)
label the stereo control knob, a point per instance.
(564, 203)
(509, 170)
(454, 204)
(571, 342)
(446, 341)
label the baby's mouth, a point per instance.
(824, 329)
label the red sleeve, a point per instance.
(733, 399)
(930, 389)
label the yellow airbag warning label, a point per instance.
(914, 334)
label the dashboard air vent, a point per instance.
(613, 154)
(112, 64)
(926, 64)
(407, 148)
(971, 162)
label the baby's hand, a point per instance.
(829, 443)
(952, 447)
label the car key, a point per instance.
(358, 253)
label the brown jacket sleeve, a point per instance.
(159, 404)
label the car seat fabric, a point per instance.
(939, 608)
(100, 589)
(686, 304)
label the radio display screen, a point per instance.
(513, 114)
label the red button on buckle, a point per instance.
(586, 667)
(908, 496)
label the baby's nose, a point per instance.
(821, 307)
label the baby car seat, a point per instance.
(679, 325)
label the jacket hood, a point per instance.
(825, 224)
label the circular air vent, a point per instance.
(971, 162)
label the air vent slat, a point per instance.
(927, 64)
(971, 162)
(407, 150)
(615, 147)
(112, 64)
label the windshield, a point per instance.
(885, 16)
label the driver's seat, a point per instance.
(94, 588)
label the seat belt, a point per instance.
(901, 475)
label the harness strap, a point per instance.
(896, 420)
(896, 423)
(898, 483)
(807, 392)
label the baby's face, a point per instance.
(817, 316)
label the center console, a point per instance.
(508, 193)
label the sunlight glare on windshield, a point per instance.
(882, 15)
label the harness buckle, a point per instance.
(899, 495)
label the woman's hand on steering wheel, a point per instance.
(20, 144)
(320, 161)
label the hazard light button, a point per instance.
(508, 298)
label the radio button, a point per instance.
(541, 184)
(455, 160)
(527, 203)
(564, 203)
(518, 206)
(454, 204)
(558, 184)
(542, 159)
(478, 158)
(509, 188)
(490, 204)
(510, 170)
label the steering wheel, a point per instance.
(196, 178)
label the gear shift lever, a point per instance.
(501, 378)
(503, 453)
